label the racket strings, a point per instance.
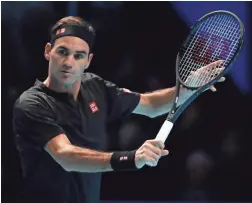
(212, 74)
(202, 53)
(215, 38)
(214, 71)
(187, 65)
(187, 57)
(200, 64)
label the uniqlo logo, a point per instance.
(93, 107)
(59, 31)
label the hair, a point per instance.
(76, 20)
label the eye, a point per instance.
(63, 52)
(79, 56)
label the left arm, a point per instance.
(159, 102)
(122, 101)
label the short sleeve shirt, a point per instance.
(40, 114)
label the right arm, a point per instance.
(79, 159)
(38, 124)
(73, 158)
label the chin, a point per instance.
(65, 80)
(68, 81)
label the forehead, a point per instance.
(73, 43)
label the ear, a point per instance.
(47, 52)
(90, 57)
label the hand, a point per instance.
(211, 70)
(212, 87)
(150, 153)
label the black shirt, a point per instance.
(41, 114)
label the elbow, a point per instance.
(60, 156)
(152, 113)
(65, 165)
(156, 112)
(60, 149)
(67, 168)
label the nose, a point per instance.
(68, 62)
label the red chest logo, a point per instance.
(93, 106)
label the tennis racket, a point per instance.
(206, 55)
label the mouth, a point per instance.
(67, 72)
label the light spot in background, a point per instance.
(12, 92)
(130, 136)
(191, 115)
(198, 164)
(230, 145)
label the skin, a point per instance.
(68, 59)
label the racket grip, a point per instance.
(164, 131)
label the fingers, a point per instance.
(157, 147)
(209, 71)
(215, 64)
(157, 143)
(222, 79)
(212, 88)
(150, 153)
(151, 156)
(156, 150)
(164, 152)
(151, 159)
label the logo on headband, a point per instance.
(60, 31)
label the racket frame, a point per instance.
(175, 113)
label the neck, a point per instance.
(72, 89)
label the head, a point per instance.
(69, 52)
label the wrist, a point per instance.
(123, 161)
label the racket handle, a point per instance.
(164, 131)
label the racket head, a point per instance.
(218, 35)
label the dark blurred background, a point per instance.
(136, 47)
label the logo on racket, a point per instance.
(210, 47)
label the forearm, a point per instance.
(85, 160)
(161, 100)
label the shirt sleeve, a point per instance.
(121, 102)
(35, 122)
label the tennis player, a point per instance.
(60, 123)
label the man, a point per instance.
(60, 123)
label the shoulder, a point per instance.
(96, 79)
(94, 82)
(91, 77)
(32, 98)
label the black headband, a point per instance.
(73, 30)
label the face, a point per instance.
(68, 59)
